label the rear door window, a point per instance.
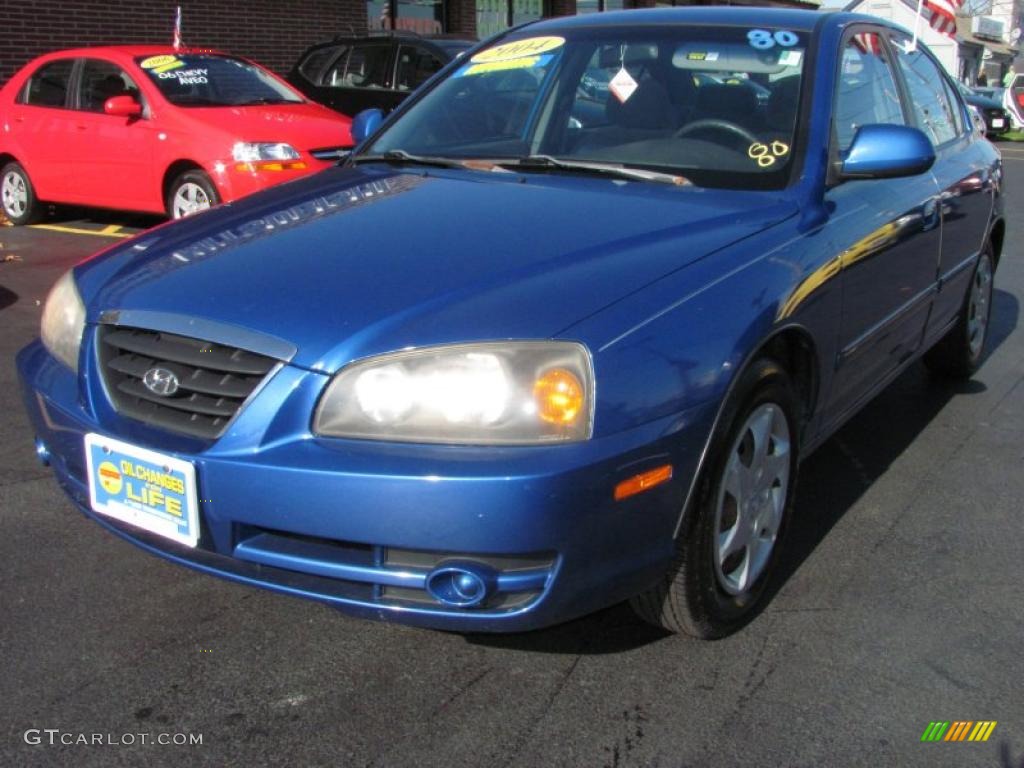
(48, 86)
(316, 60)
(414, 67)
(932, 109)
(364, 66)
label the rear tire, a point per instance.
(732, 534)
(190, 193)
(17, 196)
(959, 353)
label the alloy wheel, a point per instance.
(190, 198)
(752, 499)
(978, 306)
(14, 193)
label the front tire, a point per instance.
(17, 196)
(190, 193)
(732, 534)
(959, 353)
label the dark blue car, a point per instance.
(537, 347)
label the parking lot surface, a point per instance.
(898, 605)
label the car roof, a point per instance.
(791, 18)
(441, 41)
(130, 51)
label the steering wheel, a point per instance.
(715, 124)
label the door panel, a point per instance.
(889, 240)
(41, 124)
(114, 154)
(965, 183)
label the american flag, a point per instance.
(868, 42)
(941, 14)
(177, 29)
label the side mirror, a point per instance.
(887, 152)
(122, 106)
(365, 123)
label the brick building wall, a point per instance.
(273, 32)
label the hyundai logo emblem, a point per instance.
(161, 381)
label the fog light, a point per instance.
(462, 585)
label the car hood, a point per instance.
(305, 125)
(359, 261)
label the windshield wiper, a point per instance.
(265, 100)
(401, 157)
(547, 162)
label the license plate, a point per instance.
(143, 488)
(998, 122)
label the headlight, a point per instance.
(63, 321)
(490, 393)
(247, 152)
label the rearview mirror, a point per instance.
(122, 106)
(887, 152)
(365, 123)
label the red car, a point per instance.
(148, 128)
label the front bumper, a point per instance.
(360, 524)
(233, 183)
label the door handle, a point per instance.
(82, 127)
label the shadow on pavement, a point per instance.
(831, 482)
(7, 297)
(99, 217)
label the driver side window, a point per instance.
(867, 91)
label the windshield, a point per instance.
(716, 105)
(208, 80)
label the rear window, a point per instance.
(48, 86)
(209, 80)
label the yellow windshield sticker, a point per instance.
(501, 66)
(531, 46)
(162, 63)
(766, 155)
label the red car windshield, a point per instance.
(208, 80)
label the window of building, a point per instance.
(493, 16)
(48, 87)
(596, 6)
(424, 17)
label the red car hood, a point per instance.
(305, 126)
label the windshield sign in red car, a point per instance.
(147, 128)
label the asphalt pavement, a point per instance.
(899, 604)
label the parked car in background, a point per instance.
(997, 119)
(350, 74)
(148, 128)
(1013, 99)
(513, 362)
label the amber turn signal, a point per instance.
(643, 482)
(270, 165)
(559, 396)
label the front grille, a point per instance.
(213, 380)
(329, 153)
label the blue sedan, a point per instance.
(537, 347)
